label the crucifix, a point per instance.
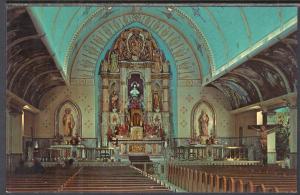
(264, 130)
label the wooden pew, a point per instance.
(235, 178)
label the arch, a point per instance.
(26, 64)
(195, 115)
(249, 80)
(20, 40)
(180, 47)
(274, 67)
(37, 77)
(78, 118)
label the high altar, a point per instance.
(134, 91)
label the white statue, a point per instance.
(134, 92)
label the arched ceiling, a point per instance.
(215, 38)
(30, 71)
(270, 74)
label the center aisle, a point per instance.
(111, 179)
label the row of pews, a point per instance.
(51, 180)
(112, 179)
(228, 178)
(84, 179)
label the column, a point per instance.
(14, 135)
(147, 92)
(165, 107)
(123, 90)
(271, 148)
(293, 136)
(105, 111)
(271, 140)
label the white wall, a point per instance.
(82, 95)
(189, 96)
(243, 120)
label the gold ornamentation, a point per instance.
(137, 148)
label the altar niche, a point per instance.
(135, 90)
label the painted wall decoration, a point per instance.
(203, 120)
(68, 119)
(237, 95)
(246, 85)
(268, 75)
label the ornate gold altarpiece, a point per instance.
(134, 92)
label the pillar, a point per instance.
(293, 136)
(271, 148)
(14, 136)
(165, 108)
(147, 91)
(105, 111)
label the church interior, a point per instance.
(160, 98)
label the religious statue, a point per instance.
(203, 123)
(263, 136)
(165, 66)
(148, 49)
(155, 101)
(121, 47)
(135, 44)
(114, 62)
(114, 100)
(104, 66)
(134, 92)
(263, 131)
(68, 122)
(157, 61)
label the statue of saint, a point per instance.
(203, 123)
(157, 61)
(68, 122)
(134, 92)
(155, 101)
(114, 100)
(114, 62)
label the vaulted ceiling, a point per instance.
(248, 53)
(31, 71)
(212, 38)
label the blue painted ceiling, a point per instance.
(219, 35)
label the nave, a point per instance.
(120, 178)
(141, 98)
(179, 178)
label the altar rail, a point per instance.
(49, 150)
(241, 148)
(143, 147)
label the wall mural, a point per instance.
(68, 120)
(253, 95)
(203, 120)
(269, 74)
(31, 71)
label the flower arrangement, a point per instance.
(59, 138)
(123, 129)
(75, 140)
(109, 134)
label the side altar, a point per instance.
(134, 90)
